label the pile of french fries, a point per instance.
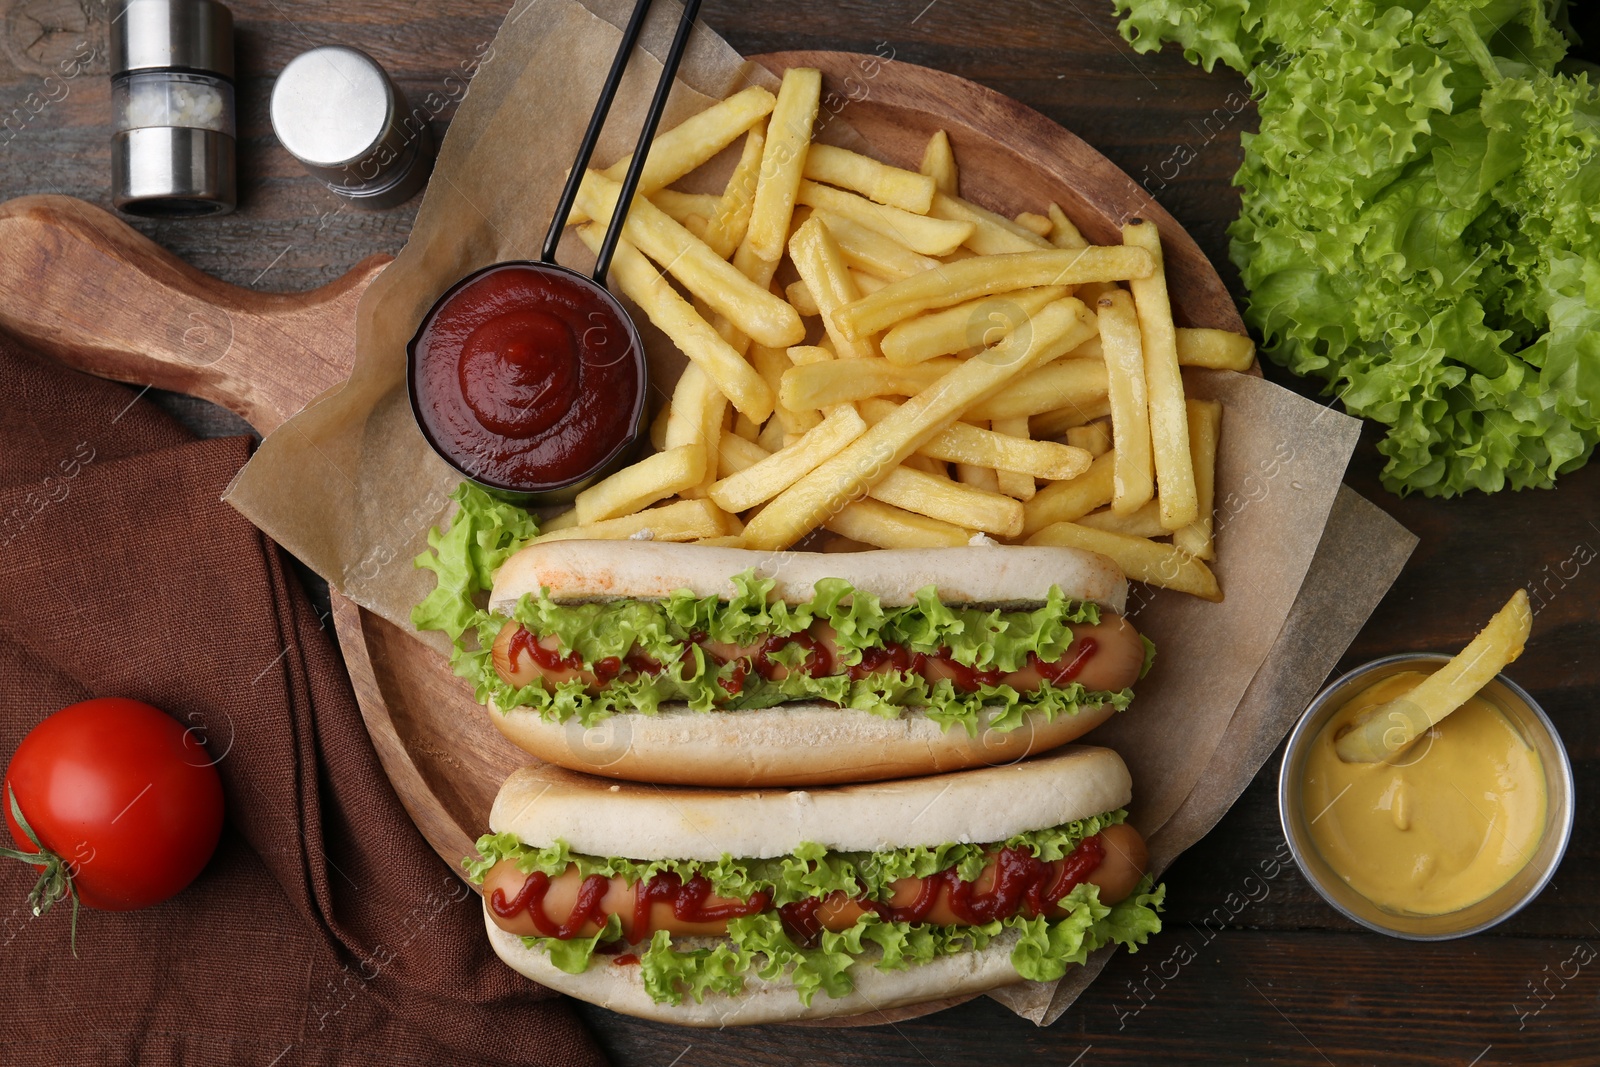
(874, 357)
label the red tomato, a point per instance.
(126, 796)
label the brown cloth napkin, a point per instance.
(324, 930)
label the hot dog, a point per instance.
(715, 666)
(735, 907)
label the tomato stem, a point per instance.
(55, 877)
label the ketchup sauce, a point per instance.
(527, 378)
(817, 661)
(687, 899)
(1021, 883)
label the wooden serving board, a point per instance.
(84, 287)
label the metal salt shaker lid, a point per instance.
(174, 170)
(337, 111)
(157, 34)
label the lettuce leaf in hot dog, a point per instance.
(485, 532)
(761, 945)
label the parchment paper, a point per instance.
(350, 487)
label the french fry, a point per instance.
(950, 501)
(727, 227)
(760, 272)
(1205, 427)
(1063, 234)
(680, 207)
(696, 139)
(984, 478)
(822, 267)
(1093, 348)
(725, 541)
(771, 436)
(939, 163)
(695, 417)
(755, 311)
(1387, 730)
(1056, 423)
(771, 364)
(1146, 522)
(874, 523)
(1038, 224)
(920, 233)
(693, 335)
(823, 384)
(1094, 438)
(1169, 423)
(638, 486)
(968, 279)
(877, 181)
(1217, 349)
(802, 355)
(800, 298)
(695, 398)
(1071, 500)
(964, 326)
(1090, 294)
(767, 478)
(1014, 484)
(875, 253)
(746, 427)
(961, 442)
(926, 464)
(1130, 411)
(1064, 383)
(564, 521)
(783, 162)
(682, 520)
(867, 283)
(658, 428)
(991, 234)
(1146, 561)
(810, 501)
(735, 454)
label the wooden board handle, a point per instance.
(87, 289)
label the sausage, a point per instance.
(1117, 875)
(1111, 664)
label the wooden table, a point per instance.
(1252, 965)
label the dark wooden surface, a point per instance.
(1252, 965)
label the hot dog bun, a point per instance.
(802, 743)
(543, 804)
(792, 744)
(621, 989)
(999, 576)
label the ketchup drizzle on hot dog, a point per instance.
(800, 920)
(531, 898)
(688, 900)
(1021, 882)
(818, 662)
(1065, 670)
(525, 641)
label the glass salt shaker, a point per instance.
(172, 152)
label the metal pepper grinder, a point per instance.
(172, 152)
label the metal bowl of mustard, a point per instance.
(1457, 833)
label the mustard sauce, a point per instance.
(1441, 825)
